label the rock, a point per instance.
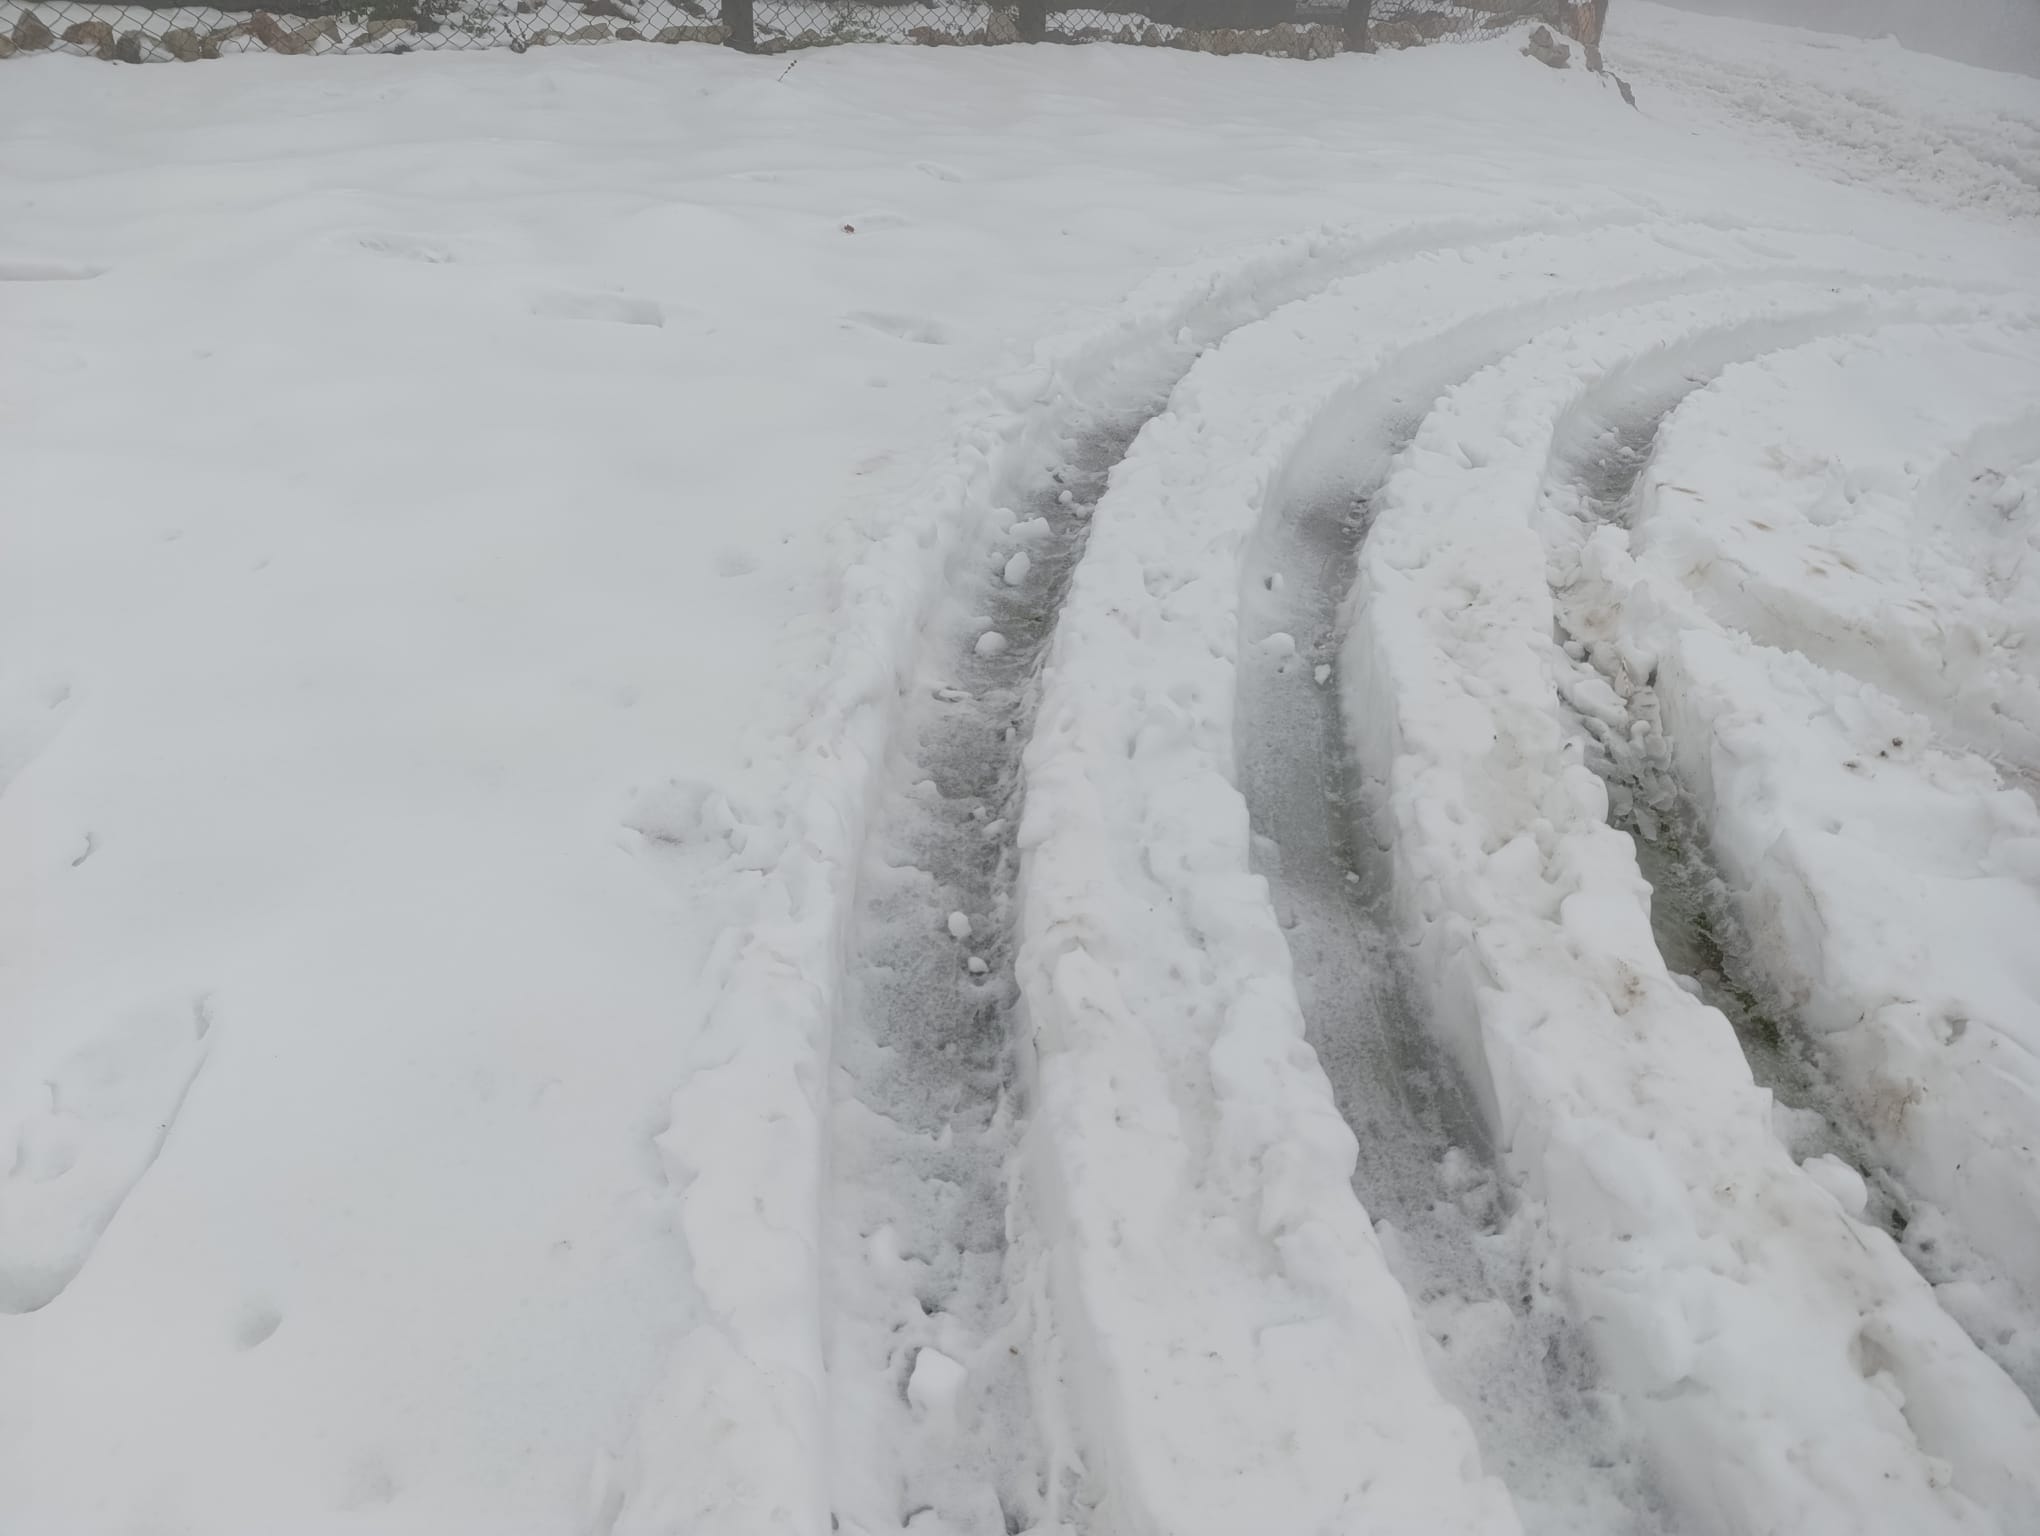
(129, 49)
(1593, 56)
(273, 35)
(7, 48)
(386, 26)
(1622, 85)
(96, 35)
(210, 46)
(327, 27)
(629, 35)
(594, 32)
(30, 34)
(1547, 49)
(607, 8)
(710, 32)
(183, 44)
(1002, 27)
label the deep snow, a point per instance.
(483, 536)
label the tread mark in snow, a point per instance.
(1507, 1350)
(932, 1418)
(1700, 932)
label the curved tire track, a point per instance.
(1621, 1106)
(1595, 466)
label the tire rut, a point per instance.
(1507, 1350)
(932, 1415)
(1699, 931)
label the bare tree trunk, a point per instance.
(739, 29)
(1357, 12)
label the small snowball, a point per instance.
(1017, 569)
(1323, 674)
(935, 1383)
(991, 643)
(1033, 528)
(1066, 498)
(959, 926)
(1839, 1180)
(977, 966)
(680, 811)
(1281, 643)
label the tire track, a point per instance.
(933, 1414)
(1476, 1265)
(1519, 921)
(1695, 916)
(934, 1424)
(753, 1187)
(947, 1408)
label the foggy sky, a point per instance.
(2003, 34)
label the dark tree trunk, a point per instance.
(737, 22)
(1357, 13)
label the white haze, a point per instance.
(1999, 34)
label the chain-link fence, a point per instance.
(138, 33)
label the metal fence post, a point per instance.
(738, 24)
(1033, 20)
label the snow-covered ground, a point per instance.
(878, 796)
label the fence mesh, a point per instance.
(137, 33)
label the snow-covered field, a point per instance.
(911, 794)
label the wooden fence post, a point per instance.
(1033, 20)
(738, 25)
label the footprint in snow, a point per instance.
(47, 269)
(915, 328)
(256, 1323)
(733, 561)
(407, 247)
(78, 1137)
(614, 308)
(867, 222)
